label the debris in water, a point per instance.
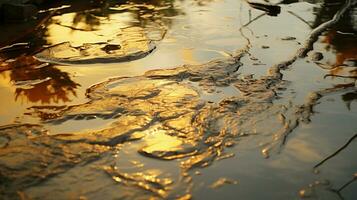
(265, 152)
(272, 10)
(288, 38)
(306, 193)
(222, 181)
(317, 56)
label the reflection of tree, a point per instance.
(89, 15)
(343, 45)
(44, 85)
(50, 85)
(87, 18)
(341, 40)
(157, 10)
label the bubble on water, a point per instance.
(265, 152)
(306, 193)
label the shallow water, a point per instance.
(181, 99)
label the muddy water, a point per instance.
(180, 100)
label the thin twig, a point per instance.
(338, 151)
(302, 19)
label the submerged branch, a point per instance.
(322, 27)
(337, 152)
(302, 52)
(339, 190)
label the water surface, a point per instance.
(181, 99)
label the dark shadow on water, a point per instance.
(348, 98)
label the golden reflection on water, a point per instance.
(187, 55)
(145, 100)
(148, 180)
(116, 35)
(160, 141)
(114, 29)
(130, 27)
(6, 91)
